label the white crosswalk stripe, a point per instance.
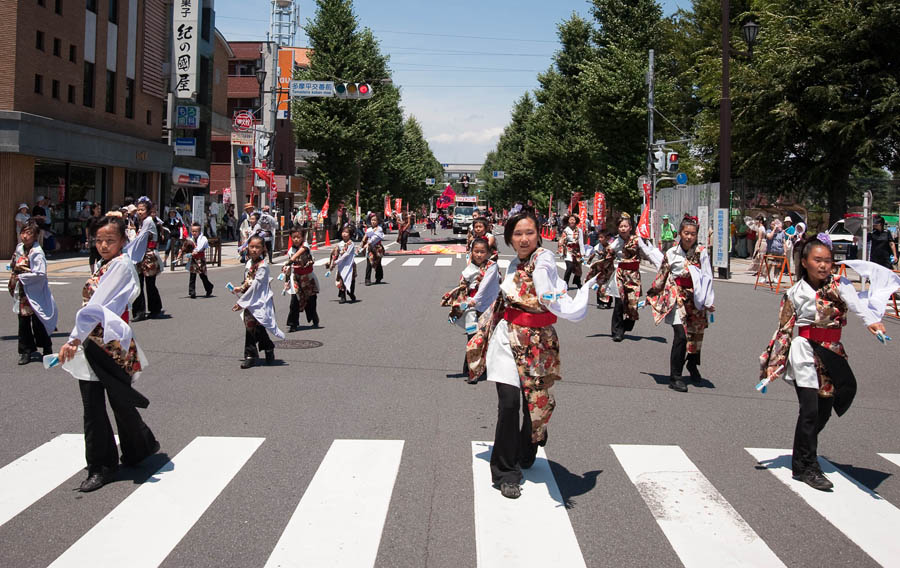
(443, 261)
(322, 261)
(701, 526)
(38, 472)
(413, 261)
(496, 518)
(360, 259)
(854, 509)
(386, 261)
(340, 517)
(164, 510)
(561, 265)
(894, 458)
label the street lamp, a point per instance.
(749, 32)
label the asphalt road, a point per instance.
(388, 368)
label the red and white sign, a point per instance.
(243, 120)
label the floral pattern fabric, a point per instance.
(831, 313)
(666, 294)
(336, 252)
(304, 286)
(126, 359)
(20, 264)
(460, 294)
(249, 277)
(628, 281)
(149, 266)
(374, 254)
(197, 262)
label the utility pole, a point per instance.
(650, 112)
(725, 136)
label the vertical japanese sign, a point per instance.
(185, 29)
(285, 74)
(720, 244)
(582, 215)
(600, 210)
(703, 225)
(387, 205)
(398, 205)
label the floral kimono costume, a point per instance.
(517, 345)
(815, 360)
(571, 245)
(32, 299)
(258, 314)
(477, 290)
(342, 261)
(625, 257)
(302, 285)
(196, 252)
(127, 359)
(680, 295)
(374, 253)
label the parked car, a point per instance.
(845, 242)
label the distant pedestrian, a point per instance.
(666, 233)
(195, 247)
(255, 302)
(32, 300)
(22, 217)
(884, 244)
(300, 282)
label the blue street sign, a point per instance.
(681, 178)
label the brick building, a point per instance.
(82, 97)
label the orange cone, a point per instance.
(315, 245)
(327, 239)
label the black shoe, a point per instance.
(192, 296)
(48, 351)
(510, 490)
(248, 362)
(677, 384)
(128, 461)
(209, 292)
(815, 479)
(139, 317)
(270, 357)
(316, 319)
(617, 338)
(24, 358)
(156, 315)
(378, 280)
(368, 283)
(343, 299)
(352, 297)
(292, 328)
(97, 479)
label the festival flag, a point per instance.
(582, 215)
(387, 205)
(324, 212)
(398, 205)
(600, 210)
(447, 198)
(643, 227)
(357, 206)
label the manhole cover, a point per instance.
(299, 344)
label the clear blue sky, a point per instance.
(461, 89)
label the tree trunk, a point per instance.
(838, 186)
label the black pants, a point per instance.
(269, 247)
(513, 449)
(379, 271)
(351, 289)
(404, 237)
(33, 334)
(572, 269)
(256, 336)
(814, 414)
(465, 358)
(294, 313)
(135, 438)
(679, 355)
(192, 284)
(154, 304)
(619, 324)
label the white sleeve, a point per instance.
(202, 244)
(704, 297)
(487, 290)
(38, 274)
(137, 248)
(349, 251)
(250, 295)
(548, 283)
(117, 289)
(854, 302)
(652, 253)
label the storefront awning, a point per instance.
(185, 177)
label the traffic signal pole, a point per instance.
(650, 169)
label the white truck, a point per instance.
(463, 208)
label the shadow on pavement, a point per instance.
(571, 484)
(870, 478)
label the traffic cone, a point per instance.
(327, 240)
(315, 245)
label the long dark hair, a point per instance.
(511, 223)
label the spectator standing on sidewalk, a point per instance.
(667, 233)
(22, 217)
(884, 244)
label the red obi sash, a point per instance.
(125, 316)
(527, 319)
(151, 245)
(302, 271)
(685, 281)
(472, 292)
(630, 265)
(820, 334)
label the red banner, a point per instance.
(398, 205)
(387, 205)
(600, 210)
(357, 205)
(576, 197)
(446, 199)
(643, 227)
(582, 215)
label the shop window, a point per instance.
(114, 11)
(110, 91)
(58, 7)
(129, 98)
(57, 47)
(87, 89)
(39, 84)
(39, 40)
(54, 89)
(149, 117)
(72, 51)
(40, 2)
(72, 94)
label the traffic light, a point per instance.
(264, 147)
(672, 161)
(659, 160)
(353, 90)
(243, 155)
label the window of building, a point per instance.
(129, 98)
(39, 40)
(39, 84)
(110, 91)
(206, 23)
(40, 2)
(57, 47)
(54, 89)
(87, 89)
(92, 5)
(114, 11)
(70, 189)
(58, 7)
(72, 94)
(149, 117)
(203, 94)
(72, 53)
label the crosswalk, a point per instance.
(340, 519)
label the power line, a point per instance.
(466, 36)
(428, 51)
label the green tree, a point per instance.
(414, 162)
(510, 157)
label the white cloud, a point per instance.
(481, 136)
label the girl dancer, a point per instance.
(815, 361)
(110, 361)
(32, 300)
(374, 250)
(300, 282)
(604, 300)
(480, 229)
(196, 247)
(571, 246)
(342, 260)
(682, 295)
(624, 254)
(477, 290)
(143, 252)
(517, 344)
(255, 303)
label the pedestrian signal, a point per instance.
(243, 155)
(672, 161)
